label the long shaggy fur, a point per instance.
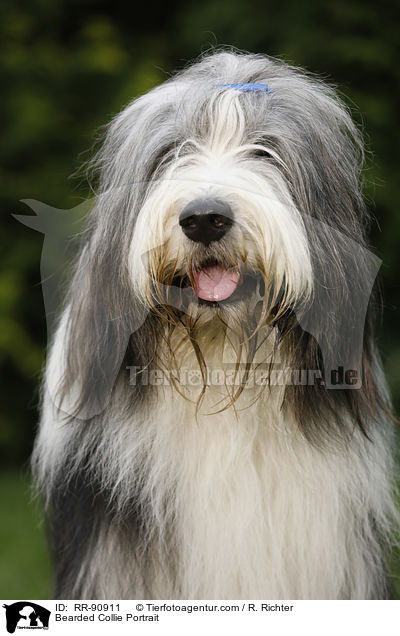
(177, 489)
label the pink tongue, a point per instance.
(215, 283)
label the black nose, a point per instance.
(206, 220)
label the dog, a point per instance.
(215, 421)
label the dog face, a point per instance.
(218, 231)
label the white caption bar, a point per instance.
(199, 617)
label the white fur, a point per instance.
(261, 512)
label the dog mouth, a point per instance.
(214, 283)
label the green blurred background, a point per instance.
(66, 67)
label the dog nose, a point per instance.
(206, 220)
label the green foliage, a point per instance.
(24, 561)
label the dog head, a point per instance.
(218, 229)
(229, 194)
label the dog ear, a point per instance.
(104, 322)
(333, 335)
(102, 326)
(323, 172)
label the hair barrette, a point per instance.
(248, 88)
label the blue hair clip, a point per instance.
(248, 88)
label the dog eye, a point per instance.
(161, 157)
(261, 152)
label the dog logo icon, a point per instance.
(26, 615)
